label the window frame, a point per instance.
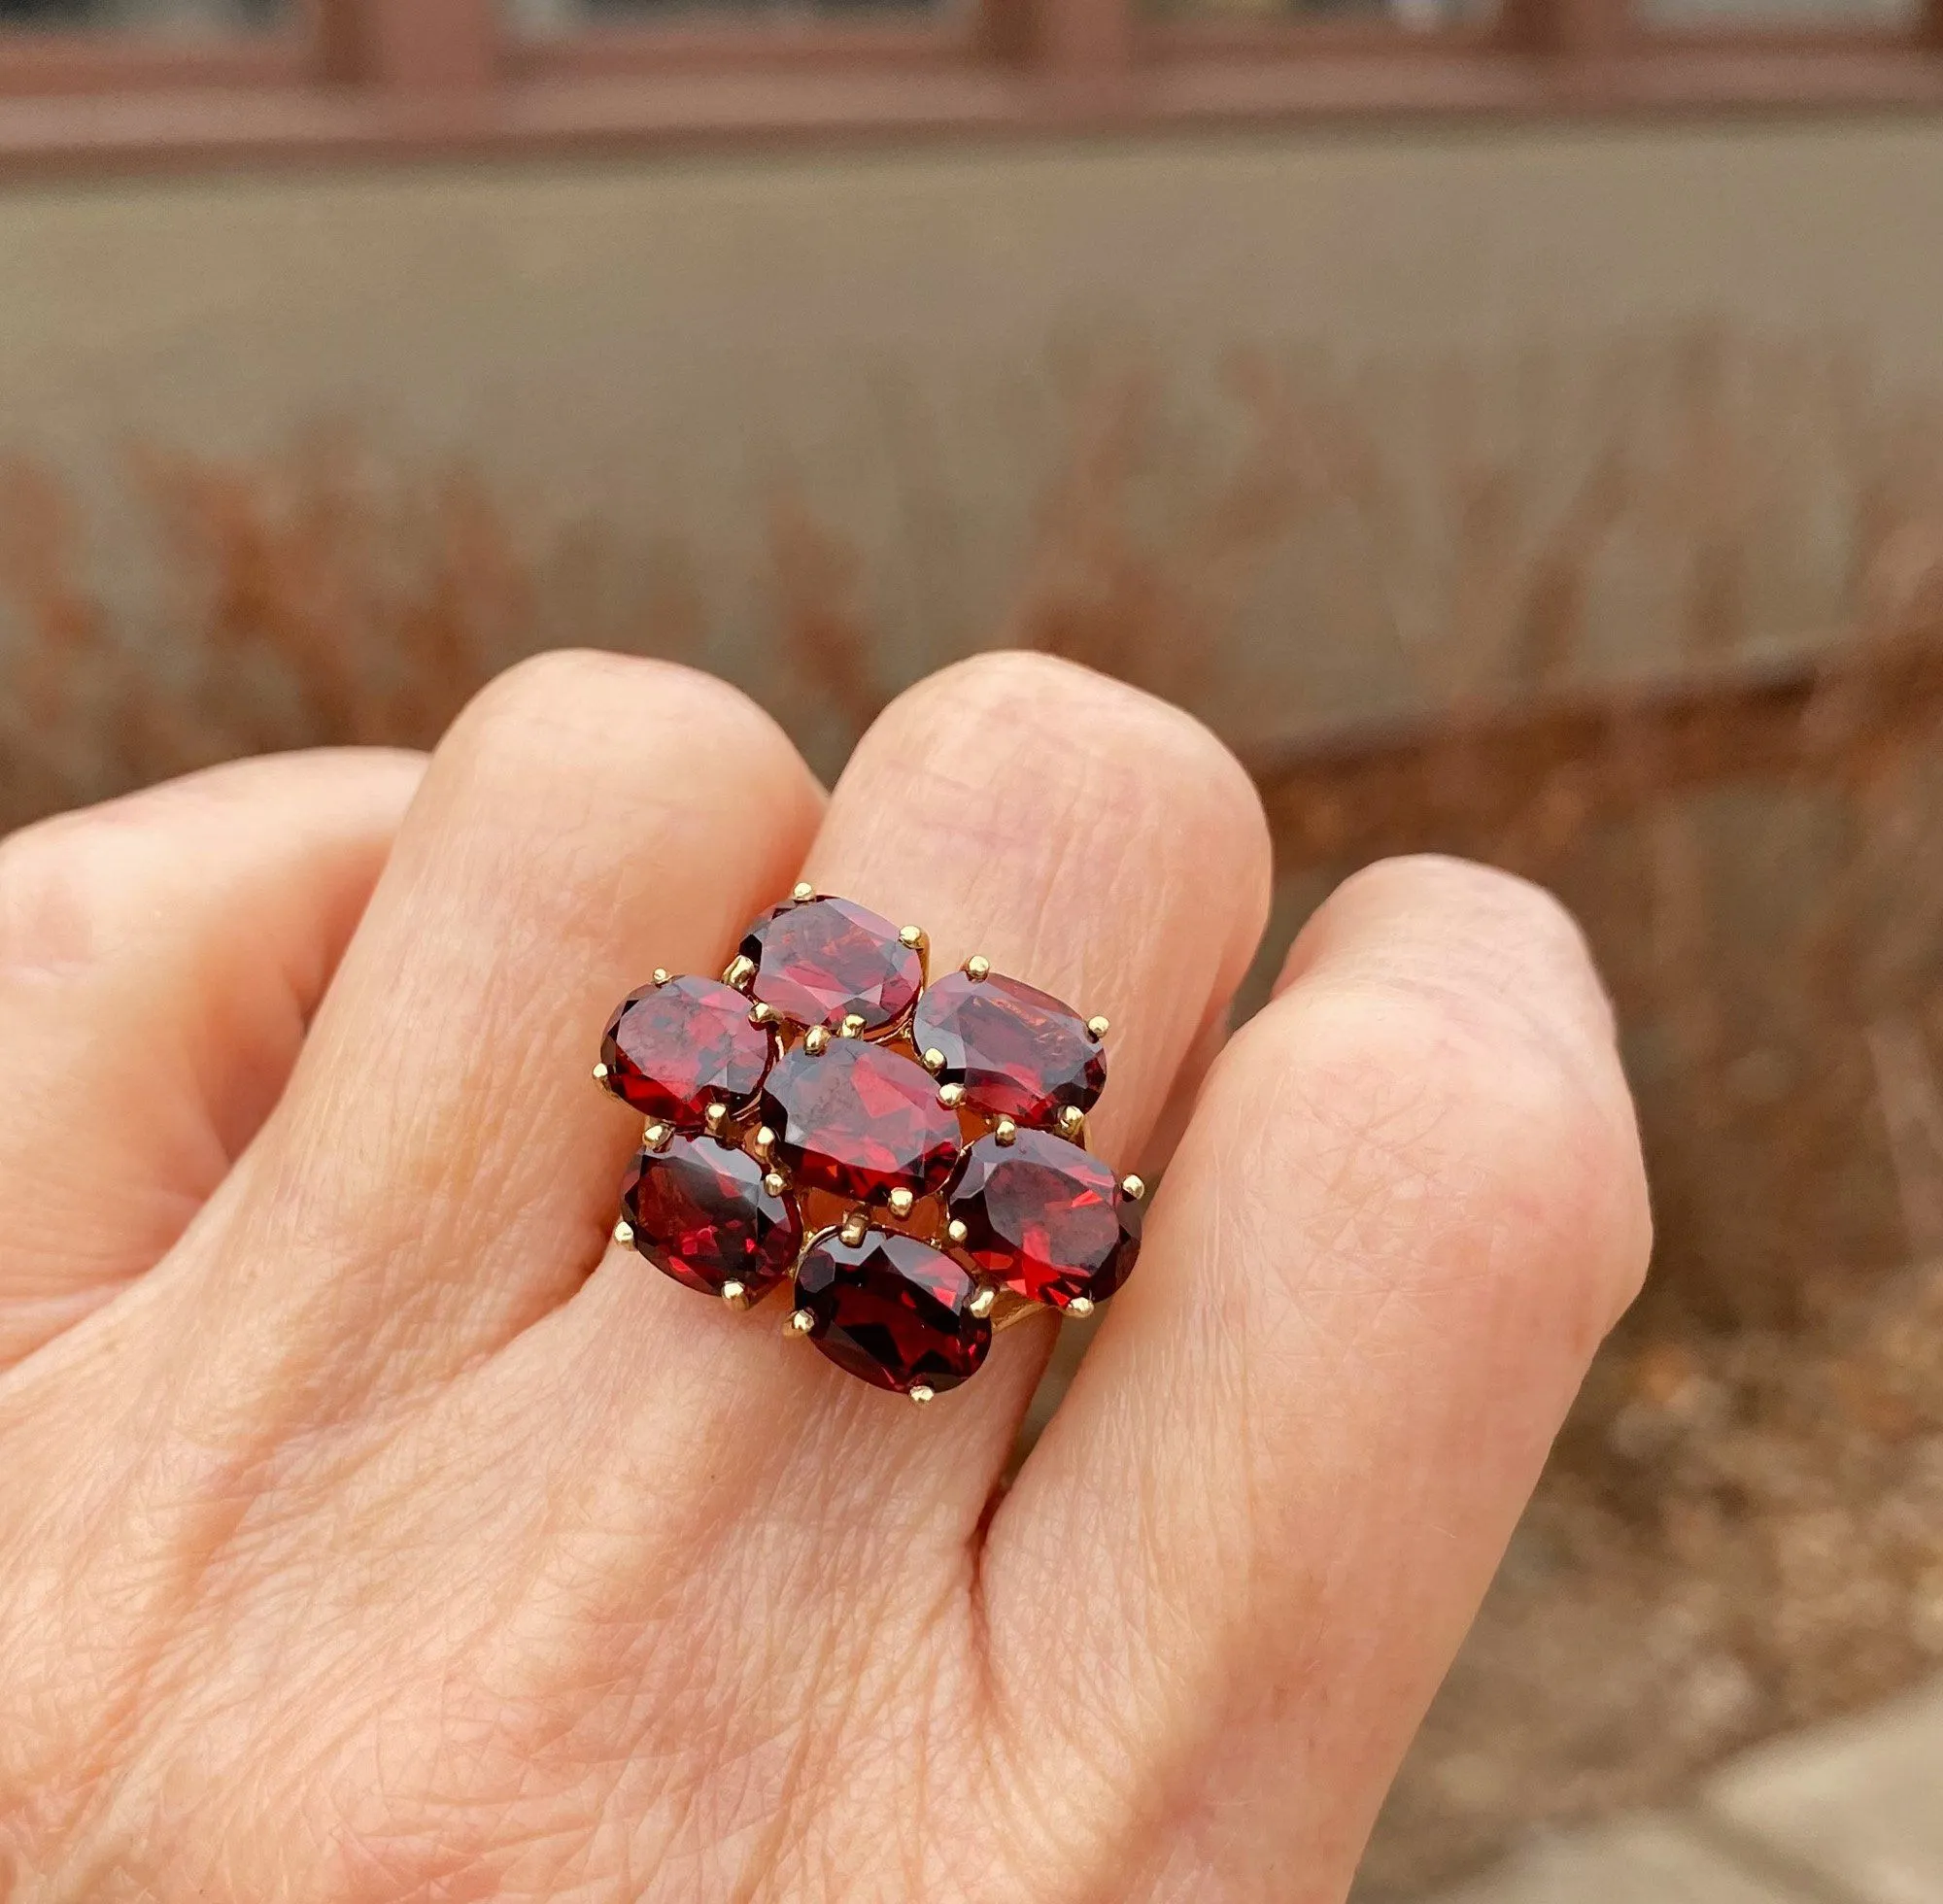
(423, 76)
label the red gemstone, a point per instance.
(892, 1310)
(672, 1050)
(858, 1120)
(1019, 1053)
(819, 962)
(700, 1211)
(1044, 1218)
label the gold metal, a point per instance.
(716, 1118)
(661, 975)
(1132, 1188)
(623, 1233)
(933, 1061)
(600, 1073)
(955, 1231)
(854, 1228)
(800, 1322)
(735, 1295)
(1005, 1131)
(766, 1142)
(738, 972)
(951, 1096)
(976, 968)
(911, 936)
(656, 1137)
(984, 1301)
(900, 1201)
(1096, 1029)
(852, 1025)
(816, 1040)
(1081, 1307)
(760, 1015)
(773, 1183)
(922, 1395)
(1071, 1122)
(803, 890)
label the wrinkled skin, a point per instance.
(371, 1530)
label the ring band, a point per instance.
(908, 1156)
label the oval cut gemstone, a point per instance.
(699, 1212)
(892, 1310)
(672, 1050)
(1018, 1052)
(1044, 1218)
(819, 962)
(858, 1120)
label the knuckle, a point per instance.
(65, 883)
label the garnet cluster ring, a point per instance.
(910, 1157)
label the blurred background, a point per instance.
(1518, 428)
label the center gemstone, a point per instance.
(858, 1121)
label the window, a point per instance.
(194, 79)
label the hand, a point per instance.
(371, 1530)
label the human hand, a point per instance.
(357, 1544)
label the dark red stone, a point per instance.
(1019, 1053)
(673, 1049)
(821, 961)
(858, 1120)
(1044, 1218)
(892, 1310)
(699, 1212)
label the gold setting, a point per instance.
(989, 1301)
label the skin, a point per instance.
(371, 1530)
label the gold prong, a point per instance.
(900, 1201)
(955, 1231)
(951, 1096)
(923, 1394)
(800, 1322)
(760, 1015)
(852, 1025)
(978, 967)
(1132, 1188)
(1071, 1122)
(1004, 1129)
(766, 1142)
(984, 1301)
(911, 936)
(716, 1118)
(816, 1040)
(600, 1073)
(1096, 1029)
(854, 1229)
(803, 890)
(773, 1183)
(661, 975)
(623, 1233)
(738, 972)
(735, 1295)
(656, 1137)
(933, 1060)
(1081, 1307)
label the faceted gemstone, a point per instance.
(1044, 1218)
(700, 1211)
(1017, 1052)
(858, 1120)
(892, 1310)
(821, 961)
(672, 1050)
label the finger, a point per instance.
(160, 958)
(1084, 838)
(1408, 1206)
(443, 1170)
